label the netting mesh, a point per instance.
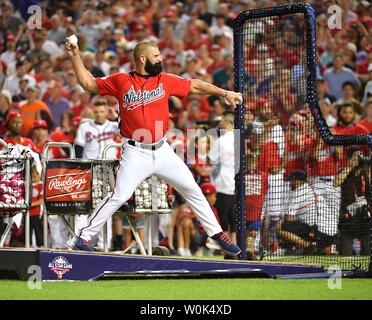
(303, 202)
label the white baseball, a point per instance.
(72, 39)
(238, 100)
(3, 189)
(147, 204)
(6, 198)
(139, 200)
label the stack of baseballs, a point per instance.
(99, 191)
(12, 189)
(143, 195)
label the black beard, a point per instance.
(153, 69)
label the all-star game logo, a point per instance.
(60, 266)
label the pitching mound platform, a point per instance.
(65, 265)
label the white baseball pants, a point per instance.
(136, 164)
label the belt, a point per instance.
(153, 146)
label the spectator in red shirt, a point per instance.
(40, 134)
(14, 124)
(367, 120)
(256, 185)
(346, 125)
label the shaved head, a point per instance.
(142, 49)
(147, 58)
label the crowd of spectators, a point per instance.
(195, 39)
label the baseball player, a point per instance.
(91, 138)
(93, 135)
(143, 121)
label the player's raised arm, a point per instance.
(204, 88)
(84, 77)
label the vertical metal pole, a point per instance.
(28, 184)
(239, 143)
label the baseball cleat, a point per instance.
(79, 244)
(226, 244)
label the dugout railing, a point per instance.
(275, 66)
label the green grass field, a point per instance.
(189, 289)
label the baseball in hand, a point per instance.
(72, 39)
(238, 100)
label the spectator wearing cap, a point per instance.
(12, 82)
(216, 56)
(29, 110)
(40, 134)
(14, 125)
(305, 219)
(339, 74)
(9, 55)
(57, 104)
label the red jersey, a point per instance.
(326, 163)
(23, 141)
(355, 128)
(37, 194)
(256, 185)
(296, 155)
(365, 123)
(143, 102)
(268, 157)
(57, 152)
(202, 163)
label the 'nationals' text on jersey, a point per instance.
(143, 102)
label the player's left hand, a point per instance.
(233, 98)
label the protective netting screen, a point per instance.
(306, 201)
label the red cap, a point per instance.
(262, 102)
(139, 27)
(170, 14)
(208, 188)
(75, 121)
(40, 124)
(369, 48)
(10, 38)
(12, 115)
(216, 47)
